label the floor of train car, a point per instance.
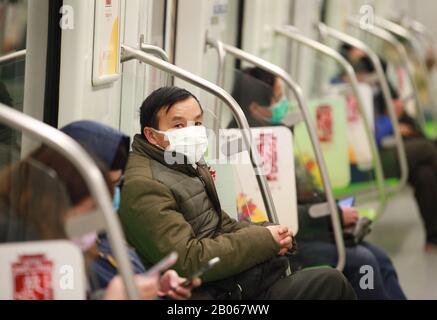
(399, 231)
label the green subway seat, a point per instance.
(361, 186)
(430, 129)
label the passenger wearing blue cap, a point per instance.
(108, 144)
(112, 148)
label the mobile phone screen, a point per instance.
(211, 264)
(347, 202)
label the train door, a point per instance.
(148, 23)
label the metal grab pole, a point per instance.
(284, 31)
(325, 32)
(387, 37)
(89, 172)
(297, 91)
(131, 53)
(155, 50)
(12, 56)
(148, 48)
(221, 55)
(406, 34)
(393, 28)
(418, 28)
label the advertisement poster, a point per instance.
(42, 270)
(330, 120)
(106, 60)
(360, 151)
(278, 168)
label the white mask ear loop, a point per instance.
(160, 132)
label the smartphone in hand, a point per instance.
(346, 202)
(211, 263)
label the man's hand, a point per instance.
(170, 286)
(406, 130)
(283, 237)
(350, 216)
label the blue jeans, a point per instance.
(385, 279)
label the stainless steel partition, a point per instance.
(224, 49)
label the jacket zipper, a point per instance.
(200, 178)
(209, 196)
(203, 181)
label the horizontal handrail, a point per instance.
(13, 56)
(393, 27)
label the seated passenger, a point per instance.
(315, 240)
(316, 244)
(113, 153)
(422, 162)
(169, 202)
(34, 208)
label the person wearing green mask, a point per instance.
(260, 95)
(266, 104)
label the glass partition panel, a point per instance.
(40, 196)
(13, 24)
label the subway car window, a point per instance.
(13, 43)
(218, 151)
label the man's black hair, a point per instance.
(262, 75)
(344, 50)
(365, 64)
(165, 97)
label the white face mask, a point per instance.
(86, 241)
(190, 141)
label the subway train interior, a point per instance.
(190, 149)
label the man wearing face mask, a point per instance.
(169, 203)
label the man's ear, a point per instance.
(253, 107)
(150, 135)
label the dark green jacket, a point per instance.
(175, 207)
